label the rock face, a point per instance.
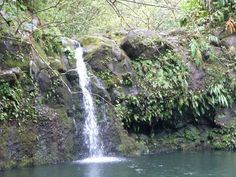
(41, 138)
(49, 140)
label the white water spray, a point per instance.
(91, 129)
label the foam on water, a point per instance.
(91, 160)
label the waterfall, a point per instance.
(91, 129)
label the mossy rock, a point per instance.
(226, 117)
(109, 62)
(9, 77)
(103, 54)
(143, 44)
(50, 140)
(131, 147)
(91, 42)
(14, 53)
(58, 65)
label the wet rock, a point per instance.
(105, 54)
(68, 60)
(106, 58)
(69, 43)
(72, 75)
(99, 88)
(37, 64)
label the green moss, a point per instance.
(67, 121)
(25, 161)
(130, 147)
(3, 145)
(40, 51)
(110, 80)
(127, 80)
(27, 138)
(150, 42)
(192, 134)
(8, 164)
(11, 63)
(91, 40)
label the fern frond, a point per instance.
(231, 25)
(223, 2)
(213, 39)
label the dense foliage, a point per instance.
(15, 104)
(166, 95)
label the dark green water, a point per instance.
(179, 164)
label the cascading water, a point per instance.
(91, 129)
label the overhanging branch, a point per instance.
(149, 4)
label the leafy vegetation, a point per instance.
(15, 104)
(166, 95)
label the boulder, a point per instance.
(143, 44)
(57, 64)
(104, 54)
(8, 45)
(230, 43)
(68, 60)
(44, 80)
(226, 117)
(50, 139)
(230, 40)
(12, 75)
(8, 77)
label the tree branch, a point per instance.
(149, 4)
(2, 15)
(51, 7)
(2, 5)
(112, 4)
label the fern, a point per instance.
(223, 2)
(213, 39)
(218, 95)
(196, 52)
(231, 25)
